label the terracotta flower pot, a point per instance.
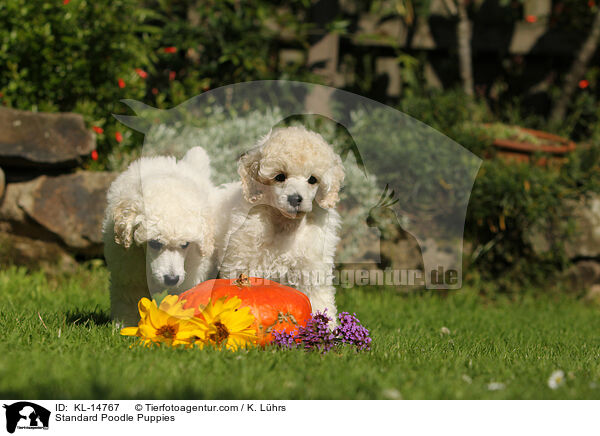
(551, 149)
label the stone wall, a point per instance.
(582, 246)
(50, 209)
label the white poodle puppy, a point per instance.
(283, 224)
(158, 230)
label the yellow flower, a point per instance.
(229, 325)
(169, 323)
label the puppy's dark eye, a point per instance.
(155, 245)
(312, 180)
(280, 177)
(186, 245)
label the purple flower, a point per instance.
(318, 337)
(351, 332)
(285, 339)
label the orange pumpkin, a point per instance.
(275, 307)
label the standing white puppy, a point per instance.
(283, 223)
(158, 230)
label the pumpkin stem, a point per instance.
(242, 281)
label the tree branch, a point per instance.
(577, 70)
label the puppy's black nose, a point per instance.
(170, 280)
(295, 200)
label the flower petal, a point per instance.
(147, 331)
(129, 331)
(145, 306)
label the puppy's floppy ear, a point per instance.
(330, 184)
(248, 167)
(205, 242)
(126, 217)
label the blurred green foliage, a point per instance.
(65, 56)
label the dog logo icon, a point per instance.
(26, 415)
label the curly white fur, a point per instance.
(285, 227)
(158, 230)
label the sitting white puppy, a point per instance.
(283, 224)
(158, 230)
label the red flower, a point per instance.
(121, 83)
(98, 130)
(154, 91)
(1, 95)
(591, 3)
(119, 137)
(172, 75)
(170, 49)
(141, 73)
(584, 84)
(531, 18)
(94, 155)
(66, 2)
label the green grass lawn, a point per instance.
(77, 353)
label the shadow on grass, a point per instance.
(96, 316)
